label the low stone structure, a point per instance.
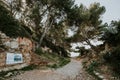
(19, 45)
(2, 59)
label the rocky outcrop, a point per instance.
(19, 45)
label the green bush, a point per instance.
(92, 67)
(53, 66)
(38, 51)
(28, 68)
(4, 73)
(113, 58)
(64, 62)
(60, 63)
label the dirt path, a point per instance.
(72, 71)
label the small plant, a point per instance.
(61, 62)
(53, 66)
(92, 67)
(28, 68)
(64, 62)
(113, 59)
(38, 51)
(5, 74)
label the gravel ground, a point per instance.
(71, 71)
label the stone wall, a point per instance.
(15, 45)
(2, 59)
(8, 67)
(3, 55)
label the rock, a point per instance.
(100, 76)
(9, 74)
(104, 79)
(97, 73)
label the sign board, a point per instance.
(14, 58)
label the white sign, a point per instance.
(14, 58)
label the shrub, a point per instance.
(60, 63)
(53, 66)
(28, 68)
(64, 62)
(38, 51)
(113, 58)
(92, 67)
(5, 74)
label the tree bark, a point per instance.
(45, 31)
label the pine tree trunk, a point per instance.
(44, 33)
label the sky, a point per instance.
(112, 8)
